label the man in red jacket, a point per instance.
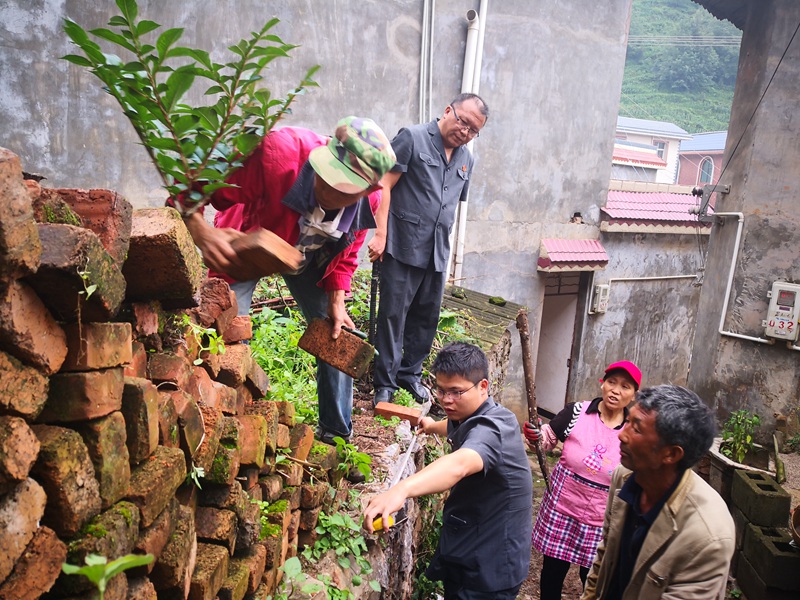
(318, 194)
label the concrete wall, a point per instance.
(552, 73)
(764, 175)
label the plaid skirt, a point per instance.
(559, 536)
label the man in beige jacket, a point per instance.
(667, 533)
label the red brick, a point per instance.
(227, 398)
(312, 494)
(93, 346)
(284, 436)
(292, 473)
(173, 569)
(235, 585)
(19, 448)
(271, 487)
(268, 410)
(240, 329)
(213, 299)
(65, 471)
(107, 214)
(105, 441)
(211, 363)
(347, 353)
(248, 477)
(209, 573)
(83, 396)
(146, 316)
(37, 569)
(141, 588)
(257, 380)
(226, 462)
(234, 365)
(308, 518)
(243, 398)
(137, 367)
(301, 439)
(140, 408)
(163, 263)
(154, 538)
(73, 259)
(226, 317)
(168, 367)
(212, 425)
(217, 526)
(255, 561)
(324, 456)
(155, 481)
(168, 430)
(286, 413)
(406, 413)
(201, 388)
(28, 330)
(254, 439)
(292, 496)
(23, 389)
(49, 207)
(19, 238)
(20, 512)
(191, 423)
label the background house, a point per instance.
(700, 158)
(664, 137)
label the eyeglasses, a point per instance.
(454, 394)
(464, 127)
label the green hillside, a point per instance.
(681, 65)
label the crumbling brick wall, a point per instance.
(109, 404)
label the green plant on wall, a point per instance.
(351, 458)
(194, 148)
(737, 434)
(99, 571)
(207, 338)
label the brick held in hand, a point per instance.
(263, 253)
(348, 353)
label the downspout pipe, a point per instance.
(732, 270)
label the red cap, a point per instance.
(631, 369)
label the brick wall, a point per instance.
(108, 402)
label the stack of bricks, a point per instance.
(120, 430)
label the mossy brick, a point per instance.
(171, 575)
(20, 247)
(106, 213)
(284, 436)
(20, 512)
(263, 592)
(257, 381)
(271, 487)
(227, 399)
(268, 410)
(217, 526)
(163, 263)
(348, 353)
(254, 436)
(65, 471)
(754, 588)
(112, 534)
(140, 407)
(209, 572)
(92, 346)
(248, 477)
(190, 422)
(292, 493)
(153, 539)
(83, 395)
(23, 389)
(254, 560)
(137, 366)
(272, 545)
(73, 261)
(27, 329)
(169, 367)
(37, 569)
(201, 387)
(286, 413)
(230, 497)
(235, 585)
(301, 439)
(239, 330)
(309, 518)
(49, 207)
(19, 448)
(234, 365)
(312, 494)
(225, 465)
(155, 481)
(281, 515)
(212, 427)
(141, 588)
(105, 441)
(248, 528)
(213, 298)
(760, 498)
(771, 553)
(323, 456)
(168, 429)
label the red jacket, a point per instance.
(266, 177)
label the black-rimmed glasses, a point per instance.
(454, 394)
(464, 127)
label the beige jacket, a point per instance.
(686, 554)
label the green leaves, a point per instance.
(193, 147)
(99, 571)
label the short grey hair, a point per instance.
(682, 419)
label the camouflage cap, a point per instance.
(356, 157)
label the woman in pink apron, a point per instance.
(569, 525)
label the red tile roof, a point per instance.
(571, 255)
(628, 156)
(651, 206)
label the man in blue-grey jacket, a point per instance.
(412, 239)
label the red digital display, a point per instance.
(786, 298)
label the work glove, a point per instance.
(532, 433)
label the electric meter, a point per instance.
(600, 298)
(783, 311)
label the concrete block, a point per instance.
(27, 329)
(347, 353)
(761, 500)
(19, 448)
(217, 526)
(23, 389)
(37, 569)
(754, 588)
(105, 440)
(20, 512)
(172, 572)
(154, 482)
(20, 248)
(92, 346)
(209, 572)
(82, 396)
(73, 260)
(106, 213)
(772, 556)
(140, 400)
(163, 263)
(65, 471)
